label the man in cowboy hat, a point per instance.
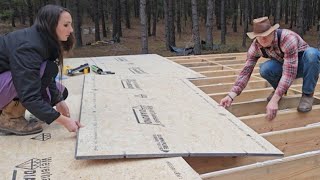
(290, 57)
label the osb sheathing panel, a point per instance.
(50, 155)
(159, 117)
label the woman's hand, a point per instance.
(68, 123)
(63, 108)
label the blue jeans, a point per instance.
(308, 69)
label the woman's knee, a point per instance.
(311, 55)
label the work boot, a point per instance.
(306, 102)
(12, 120)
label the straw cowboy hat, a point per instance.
(262, 27)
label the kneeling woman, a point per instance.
(29, 60)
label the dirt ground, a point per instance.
(131, 43)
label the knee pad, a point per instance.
(65, 94)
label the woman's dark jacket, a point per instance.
(22, 52)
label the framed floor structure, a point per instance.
(296, 134)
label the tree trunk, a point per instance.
(179, 18)
(292, 13)
(185, 12)
(154, 17)
(235, 15)
(136, 8)
(318, 19)
(116, 21)
(119, 9)
(250, 11)
(30, 12)
(245, 24)
(195, 28)
(148, 11)
(103, 22)
(172, 40)
(77, 23)
(223, 23)
(267, 8)
(241, 12)
(96, 20)
(126, 15)
(23, 15)
(13, 13)
(218, 14)
(286, 18)
(144, 28)
(166, 23)
(300, 18)
(209, 25)
(278, 9)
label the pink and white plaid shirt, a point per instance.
(291, 43)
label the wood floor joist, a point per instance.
(207, 68)
(302, 166)
(296, 134)
(217, 80)
(284, 120)
(259, 106)
(226, 87)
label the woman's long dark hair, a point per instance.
(47, 22)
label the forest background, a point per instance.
(126, 27)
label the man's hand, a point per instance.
(227, 101)
(272, 107)
(63, 109)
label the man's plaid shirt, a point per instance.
(290, 43)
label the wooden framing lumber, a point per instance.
(226, 72)
(250, 95)
(302, 166)
(237, 55)
(207, 68)
(246, 95)
(197, 64)
(230, 62)
(259, 107)
(284, 120)
(226, 87)
(217, 80)
(296, 140)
